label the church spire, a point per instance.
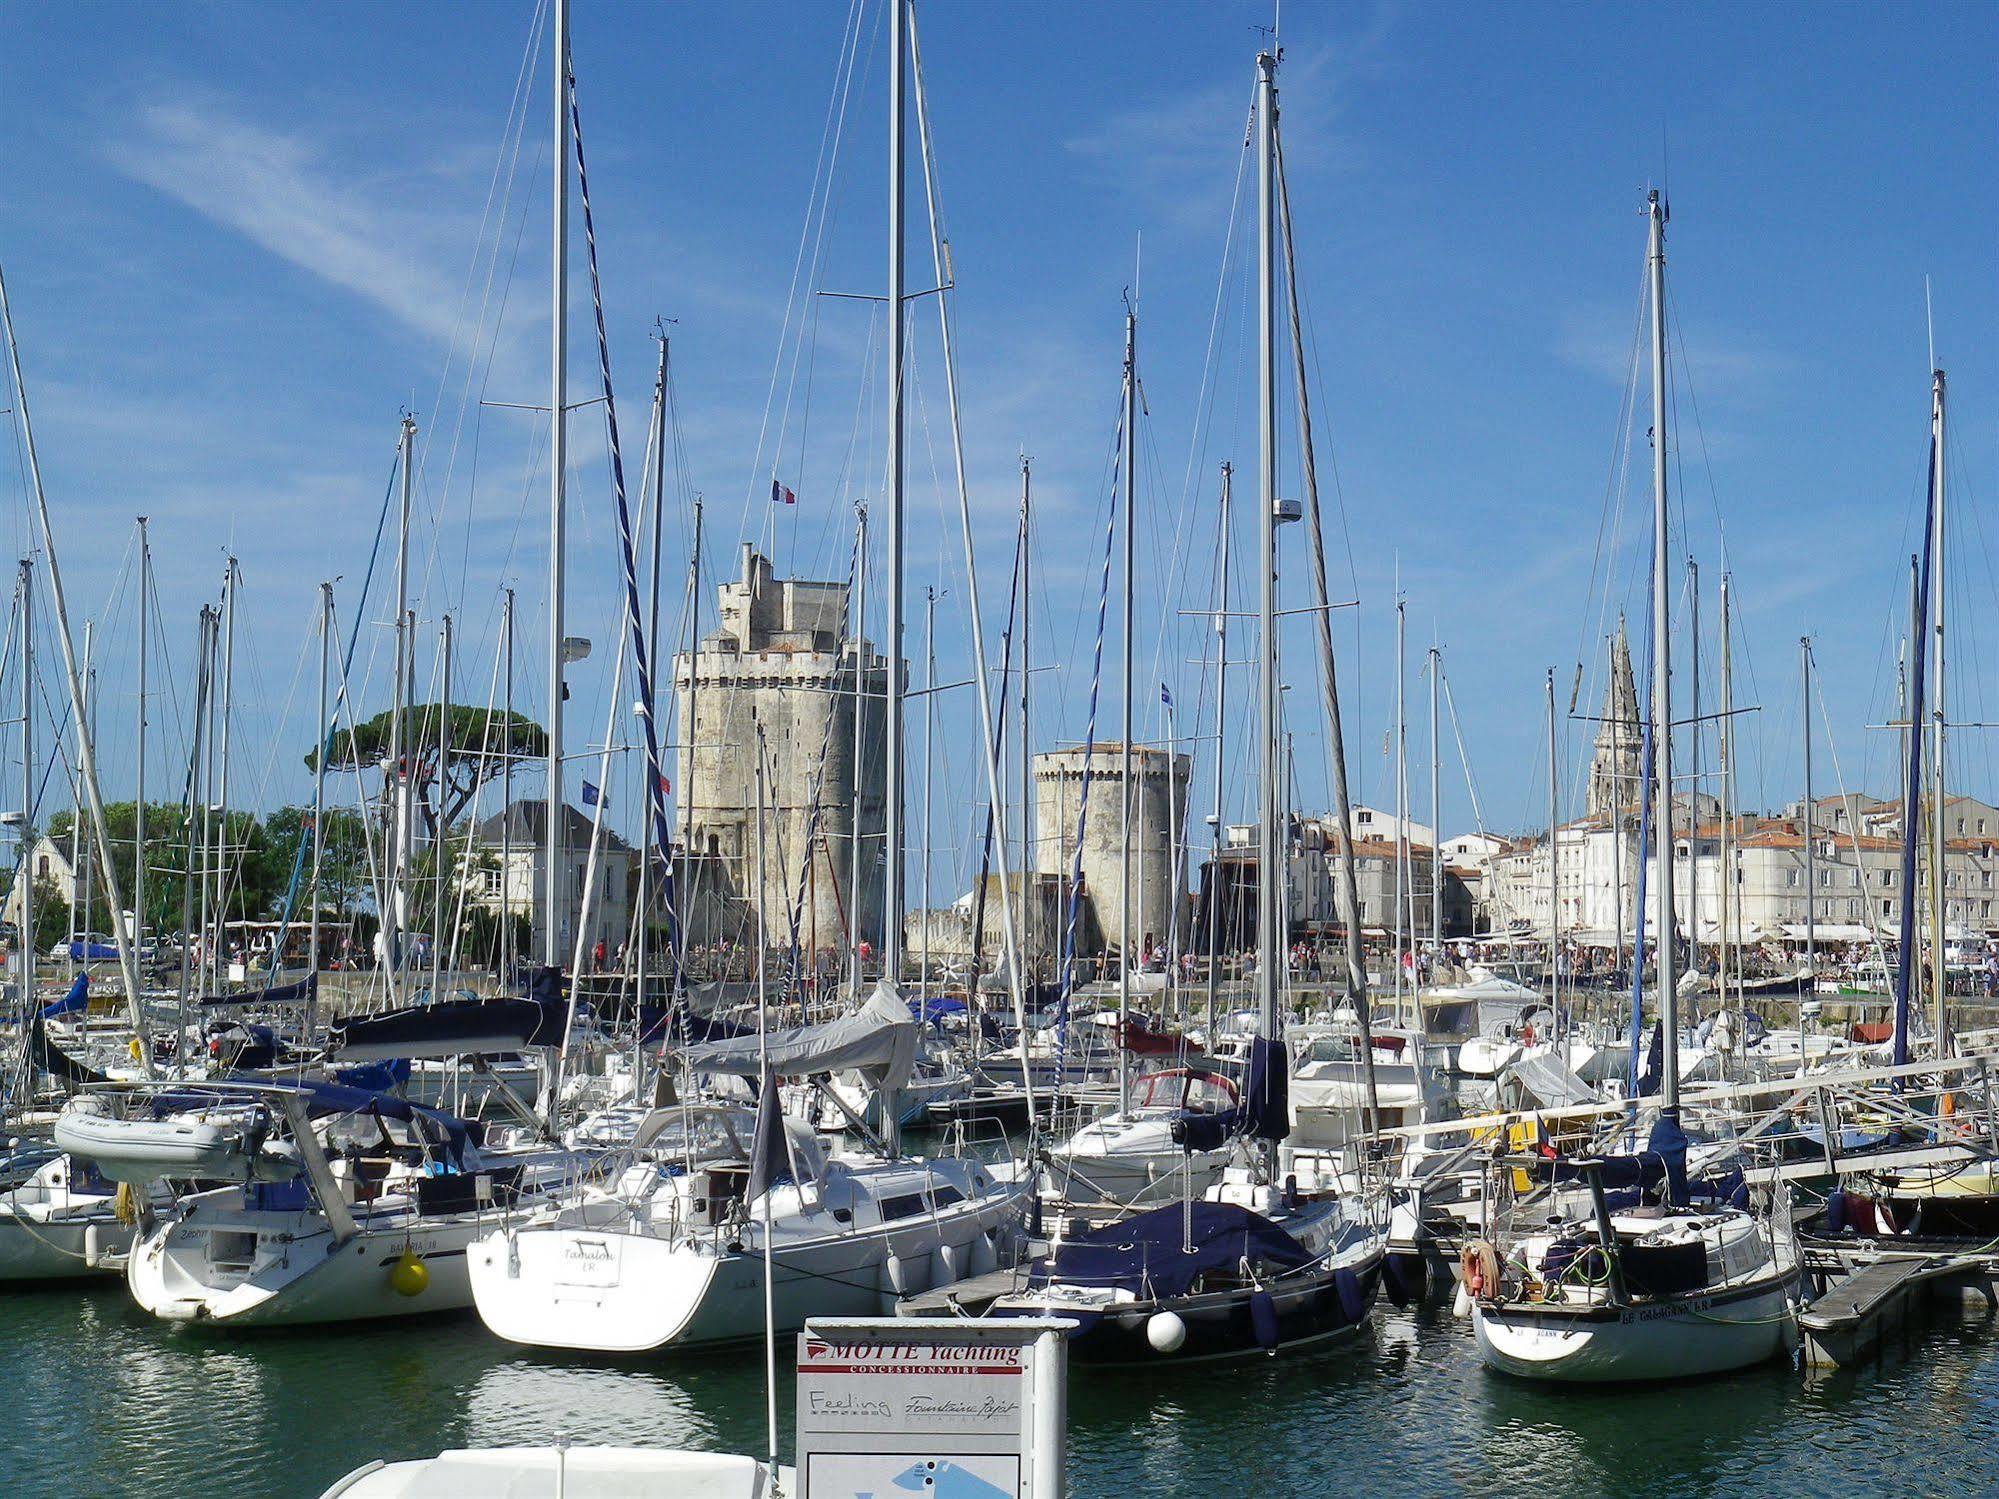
(1615, 766)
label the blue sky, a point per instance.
(241, 238)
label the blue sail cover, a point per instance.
(1146, 1254)
(77, 999)
(1263, 1114)
(1662, 1162)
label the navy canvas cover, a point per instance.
(1147, 1254)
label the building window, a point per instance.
(1887, 879)
(494, 881)
(42, 867)
(1853, 909)
(1887, 908)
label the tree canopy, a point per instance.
(480, 743)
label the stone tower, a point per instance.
(1618, 762)
(1159, 807)
(783, 660)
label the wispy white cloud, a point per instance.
(1173, 151)
(283, 192)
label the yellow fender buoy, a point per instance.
(409, 1276)
(138, 1052)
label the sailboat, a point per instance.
(742, 1244)
(1653, 1286)
(1256, 1264)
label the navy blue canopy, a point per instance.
(1145, 1253)
(1263, 1114)
(450, 1029)
(304, 991)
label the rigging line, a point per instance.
(474, 362)
(831, 131)
(634, 614)
(1464, 758)
(515, 129)
(1617, 481)
(1209, 389)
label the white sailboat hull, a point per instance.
(609, 1292)
(193, 1271)
(1710, 1334)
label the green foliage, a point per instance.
(480, 743)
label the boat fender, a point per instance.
(93, 1251)
(1835, 1211)
(409, 1276)
(1034, 1216)
(897, 1270)
(1478, 1268)
(1353, 1300)
(1263, 1319)
(1461, 1303)
(1395, 1279)
(1291, 1192)
(985, 1254)
(1166, 1332)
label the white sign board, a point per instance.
(931, 1408)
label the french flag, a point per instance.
(781, 495)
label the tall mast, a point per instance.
(1726, 733)
(1128, 461)
(640, 947)
(683, 895)
(127, 957)
(555, 853)
(929, 760)
(1616, 805)
(1402, 810)
(1554, 857)
(1215, 932)
(399, 748)
(1662, 667)
(222, 847)
(1270, 935)
(892, 850)
(507, 794)
(1939, 864)
(1694, 798)
(860, 740)
(197, 788)
(139, 757)
(319, 802)
(1810, 841)
(1436, 829)
(79, 863)
(441, 844)
(27, 875)
(1026, 743)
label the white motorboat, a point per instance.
(1329, 1085)
(1132, 1157)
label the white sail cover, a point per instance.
(879, 1037)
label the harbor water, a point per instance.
(103, 1400)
